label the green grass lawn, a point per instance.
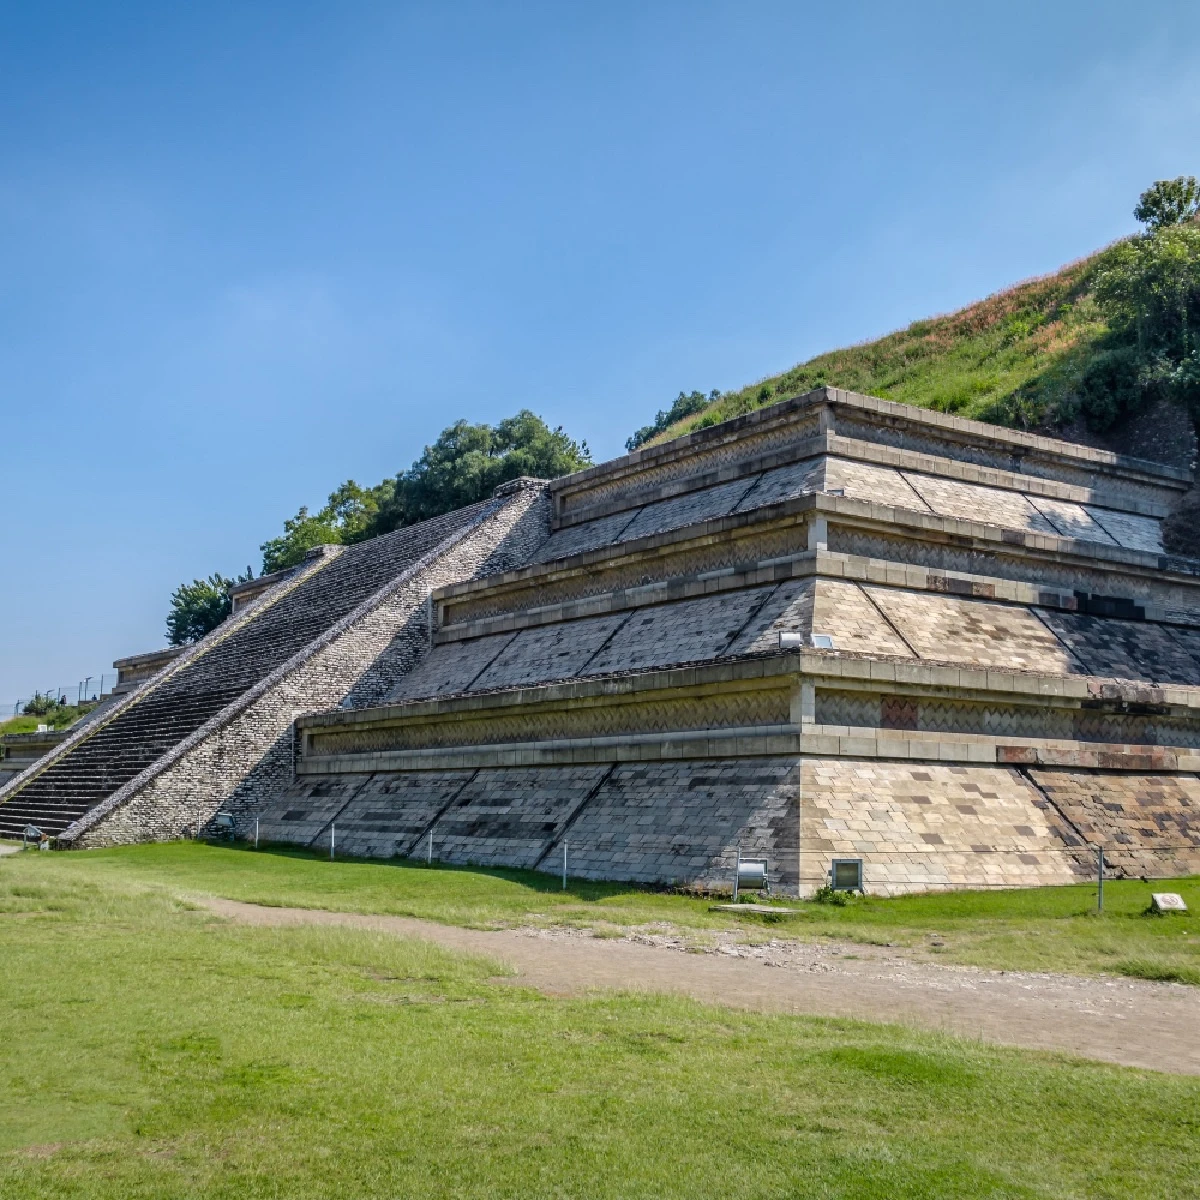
(1045, 929)
(151, 1050)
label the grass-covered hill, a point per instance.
(1083, 350)
(1018, 358)
(1005, 359)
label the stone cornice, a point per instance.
(1017, 445)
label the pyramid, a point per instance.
(837, 628)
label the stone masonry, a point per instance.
(834, 628)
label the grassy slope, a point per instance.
(1004, 359)
(1040, 929)
(60, 718)
(153, 1051)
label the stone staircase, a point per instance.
(92, 767)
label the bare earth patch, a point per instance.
(1130, 1022)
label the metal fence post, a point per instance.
(1100, 879)
(256, 833)
(332, 836)
(429, 852)
(564, 886)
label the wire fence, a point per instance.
(92, 688)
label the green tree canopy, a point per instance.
(468, 462)
(349, 516)
(199, 607)
(1149, 294)
(1168, 202)
(685, 405)
(464, 465)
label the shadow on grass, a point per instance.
(539, 882)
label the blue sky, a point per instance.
(248, 251)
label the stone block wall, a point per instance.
(921, 826)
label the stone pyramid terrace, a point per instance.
(835, 628)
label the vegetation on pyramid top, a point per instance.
(1096, 340)
(465, 465)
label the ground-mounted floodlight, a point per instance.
(846, 875)
(31, 835)
(750, 875)
(801, 641)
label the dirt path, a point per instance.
(1131, 1022)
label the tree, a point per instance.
(468, 462)
(199, 607)
(1168, 202)
(1149, 294)
(685, 405)
(348, 516)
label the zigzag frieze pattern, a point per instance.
(911, 490)
(1044, 570)
(929, 715)
(655, 712)
(702, 461)
(1015, 460)
(666, 563)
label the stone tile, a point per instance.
(878, 485)
(1071, 520)
(579, 539)
(943, 826)
(682, 822)
(975, 502)
(1129, 649)
(1148, 824)
(452, 667)
(511, 816)
(784, 483)
(840, 610)
(1130, 530)
(387, 816)
(680, 632)
(549, 652)
(950, 629)
(688, 509)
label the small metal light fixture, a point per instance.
(799, 641)
(751, 875)
(846, 875)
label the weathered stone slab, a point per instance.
(919, 826)
(550, 652)
(1148, 824)
(949, 629)
(450, 668)
(1128, 649)
(510, 817)
(683, 822)
(387, 816)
